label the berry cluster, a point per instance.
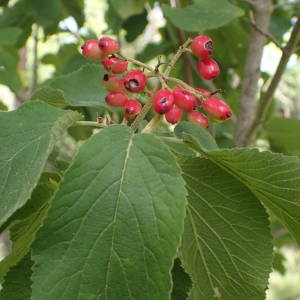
(124, 85)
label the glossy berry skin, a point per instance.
(184, 99)
(216, 108)
(132, 107)
(108, 45)
(163, 101)
(202, 46)
(174, 115)
(91, 51)
(208, 68)
(135, 81)
(116, 99)
(198, 118)
(112, 83)
(115, 65)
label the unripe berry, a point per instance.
(163, 101)
(108, 45)
(202, 46)
(116, 99)
(174, 115)
(115, 65)
(112, 83)
(198, 118)
(91, 51)
(135, 81)
(217, 108)
(184, 99)
(132, 108)
(208, 68)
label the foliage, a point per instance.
(100, 211)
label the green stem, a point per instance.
(88, 123)
(151, 126)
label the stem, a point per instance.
(140, 117)
(261, 12)
(177, 55)
(134, 61)
(34, 78)
(267, 97)
(152, 124)
(88, 123)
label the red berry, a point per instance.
(208, 68)
(217, 108)
(132, 108)
(112, 83)
(115, 65)
(198, 118)
(116, 99)
(163, 101)
(203, 91)
(202, 46)
(174, 115)
(135, 81)
(184, 99)
(91, 51)
(108, 45)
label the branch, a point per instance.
(267, 97)
(261, 13)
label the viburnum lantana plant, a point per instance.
(148, 206)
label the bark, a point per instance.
(249, 94)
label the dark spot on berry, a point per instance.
(82, 47)
(132, 85)
(209, 46)
(106, 77)
(101, 44)
(163, 100)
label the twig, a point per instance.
(268, 36)
(267, 97)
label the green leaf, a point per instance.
(195, 136)
(153, 50)
(18, 16)
(45, 13)
(75, 8)
(17, 284)
(203, 15)
(24, 224)
(27, 137)
(51, 96)
(66, 88)
(8, 73)
(115, 223)
(273, 178)
(283, 135)
(182, 283)
(9, 35)
(278, 262)
(226, 245)
(135, 26)
(127, 8)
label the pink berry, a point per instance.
(91, 51)
(217, 108)
(163, 101)
(135, 81)
(108, 45)
(112, 83)
(132, 107)
(115, 65)
(184, 99)
(174, 115)
(208, 68)
(198, 118)
(116, 99)
(202, 46)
